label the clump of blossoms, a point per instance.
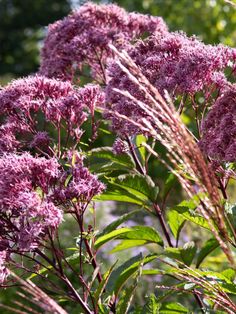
(63, 106)
(172, 61)
(82, 38)
(120, 146)
(27, 214)
(219, 128)
(31, 188)
(81, 187)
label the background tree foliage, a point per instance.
(21, 29)
(213, 20)
(23, 24)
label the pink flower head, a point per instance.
(120, 147)
(26, 213)
(83, 38)
(60, 102)
(83, 185)
(219, 128)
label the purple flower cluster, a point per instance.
(60, 102)
(26, 211)
(82, 185)
(173, 62)
(219, 128)
(120, 147)
(83, 38)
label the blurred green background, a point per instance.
(23, 25)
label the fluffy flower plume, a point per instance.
(26, 213)
(173, 61)
(83, 38)
(60, 102)
(219, 128)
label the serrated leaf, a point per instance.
(143, 233)
(106, 153)
(192, 216)
(139, 185)
(188, 252)
(208, 247)
(176, 222)
(183, 254)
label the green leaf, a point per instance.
(176, 222)
(172, 308)
(102, 285)
(229, 274)
(141, 186)
(102, 309)
(106, 153)
(184, 254)
(139, 139)
(112, 226)
(127, 270)
(102, 169)
(152, 306)
(109, 236)
(189, 214)
(208, 247)
(170, 181)
(115, 194)
(188, 252)
(40, 272)
(127, 244)
(173, 253)
(144, 233)
(125, 299)
(147, 272)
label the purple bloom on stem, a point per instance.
(83, 185)
(219, 128)
(25, 211)
(120, 146)
(60, 102)
(83, 38)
